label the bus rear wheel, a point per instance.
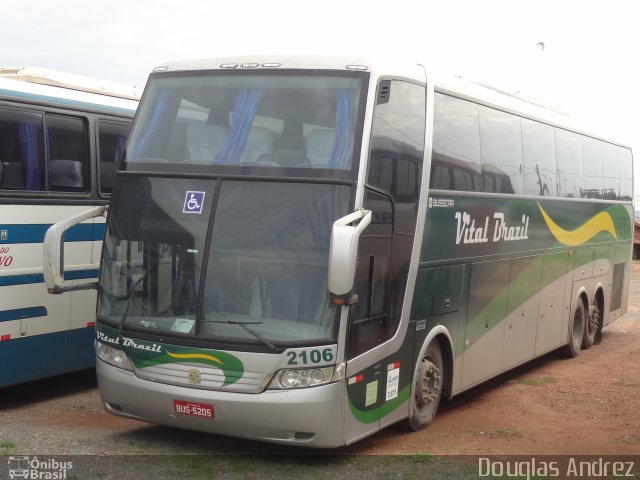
(427, 388)
(592, 325)
(576, 330)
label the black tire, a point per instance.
(592, 325)
(576, 330)
(427, 388)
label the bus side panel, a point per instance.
(379, 395)
(30, 358)
(484, 335)
(28, 314)
(549, 334)
(523, 308)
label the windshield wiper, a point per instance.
(251, 331)
(129, 296)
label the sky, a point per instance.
(589, 66)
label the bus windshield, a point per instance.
(243, 119)
(230, 261)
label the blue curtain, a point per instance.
(341, 150)
(29, 147)
(159, 111)
(244, 112)
(120, 142)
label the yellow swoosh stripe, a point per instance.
(186, 356)
(602, 222)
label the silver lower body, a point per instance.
(307, 417)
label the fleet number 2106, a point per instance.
(310, 356)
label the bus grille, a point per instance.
(188, 374)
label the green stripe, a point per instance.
(375, 414)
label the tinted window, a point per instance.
(569, 157)
(397, 142)
(111, 141)
(239, 119)
(538, 158)
(626, 173)
(456, 145)
(68, 161)
(501, 151)
(592, 161)
(610, 172)
(21, 151)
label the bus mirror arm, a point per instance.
(53, 252)
(343, 252)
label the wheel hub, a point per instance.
(428, 388)
(594, 318)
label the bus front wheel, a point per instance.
(576, 330)
(427, 387)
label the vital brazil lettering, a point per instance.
(470, 230)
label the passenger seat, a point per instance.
(319, 145)
(260, 146)
(204, 141)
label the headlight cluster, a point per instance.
(301, 378)
(113, 356)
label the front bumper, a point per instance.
(308, 416)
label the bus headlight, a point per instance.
(301, 378)
(113, 356)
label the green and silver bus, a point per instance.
(305, 250)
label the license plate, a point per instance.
(194, 409)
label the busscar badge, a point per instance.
(195, 376)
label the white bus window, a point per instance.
(592, 159)
(569, 157)
(501, 151)
(21, 151)
(538, 158)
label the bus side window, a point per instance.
(538, 158)
(610, 172)
(501, 151)
(21, 150)
(456, 144)
(68, 153)
(569, 157)
(592, 158)
(626, 174)
(112, 138)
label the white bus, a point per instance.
(59, 138)
(304, 250)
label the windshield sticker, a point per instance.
(193, 202)
(183, 325)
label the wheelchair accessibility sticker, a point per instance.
(193, 202)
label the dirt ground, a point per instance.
(553, 405)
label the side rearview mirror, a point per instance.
(53, 252)
(343, 253)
